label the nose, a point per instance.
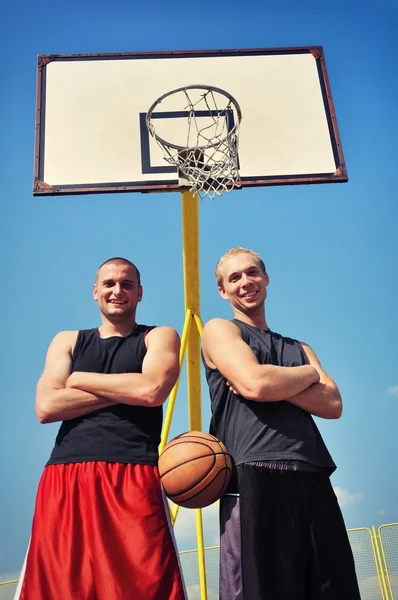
(245, 280)
(117, 289)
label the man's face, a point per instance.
(117, 291)
(244, 283)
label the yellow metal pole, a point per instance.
(174, 513)
(199, 324)
(380, 563)
(173, 394)
(384, 556)
(190, 236)
(201, 555)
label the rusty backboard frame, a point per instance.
(41, 187)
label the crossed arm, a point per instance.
(307, 386)
(61, 395)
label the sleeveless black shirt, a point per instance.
(265, 431)
(119, 433)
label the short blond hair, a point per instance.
(234, 252)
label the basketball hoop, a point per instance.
(208, 160)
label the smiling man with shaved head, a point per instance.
(101, 529)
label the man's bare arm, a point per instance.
(160, 370)
(53, 401)
(224, 348)
(321, 399)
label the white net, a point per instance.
(207, 155)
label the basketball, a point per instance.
(195, 469)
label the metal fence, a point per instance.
(388, 540)
(366, 553)
(7, 589)
(375, 554)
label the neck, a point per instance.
(255, 318)
(119, 328)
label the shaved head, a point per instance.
(118, 260)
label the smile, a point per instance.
(250, 294)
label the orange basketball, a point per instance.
(195, 469)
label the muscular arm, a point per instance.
(224, 348)
(55, 402)
(160, 370)
(321, 399)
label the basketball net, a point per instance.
(208, 161)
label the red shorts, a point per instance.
(101, 531)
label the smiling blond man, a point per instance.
(282, 532)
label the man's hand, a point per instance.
(322, 399)
(232, 388)
(72, 381)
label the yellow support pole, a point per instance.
(384, 558)
(190, 344)
(380, 563)
(190, 236)
(173, 394)
(201, 554)
(199, 324)
(174, 513)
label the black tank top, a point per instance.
(119, 433)
(265, 431)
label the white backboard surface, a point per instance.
(91, 135)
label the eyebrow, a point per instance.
(243, 271)
(123, 281)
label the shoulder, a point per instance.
(63, 343)
(310, 353)
(65, 338)
(306, 347)
(162, 334)
(218, 332)
(303, 344)
(219, 325)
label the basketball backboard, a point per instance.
(91, 134)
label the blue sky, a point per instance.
(331, 250)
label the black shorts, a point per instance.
(283, 538)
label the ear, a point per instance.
(266, 277)
(95, 293)
(140, 293)
(223, 293)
